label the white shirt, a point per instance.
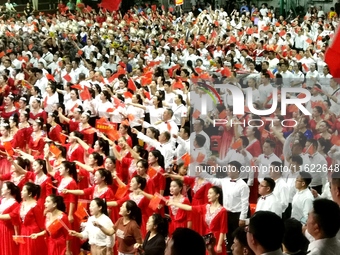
(138, 113)
(264, 163)
(265, 90)
(182, 148)
(166, 149)
(207, 141)
(155, 114)
(235, 194)
(281, 192)
(180, 111)
(269, 203)
(302, 204)
(318, 169)
(95, 235)
(42, 84)
(326, 246)
(234, 155)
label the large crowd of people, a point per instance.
(117, 136)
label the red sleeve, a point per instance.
(5, 177)
(15, 216)
(49, 186)
(39, 216)
(72, 186)
(223, 221)
(120, 202)
(199, 209)
(89, 191)
(188, 180)
(74, 125)
(189, 214)
(109, 196)
(161, 179)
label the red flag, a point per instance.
(19, 239)
(178, 85)
(90, 131)
(147, 95)
(74, 107)
(8, 148)
(118, 102)
(226, 72)
(109, 110)
(62, 138)
(77, 86)
(186, 159)
(54, 227)
(85, 94)
(55, 151)
(111, 5)
(128, 94)
(67, 77)
(282, 33)
(113, 134)
(237, 144)
(132, 85)
(81, 212)
(50, 77)
(80, 52)
(121, 191)
(154, 203)
(196, 114)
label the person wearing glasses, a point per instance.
(303, 199)
(268, 201)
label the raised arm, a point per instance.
(179, 205)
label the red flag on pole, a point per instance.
(111, 5)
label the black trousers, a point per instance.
(233, 223)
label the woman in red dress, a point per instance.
(123, 152)
(4, 139)
(36, 110)
(142, 168)
(25, 128)
(228, 132)
(156, 170)
(8, 109)
(36, 142)
(123, 131)
(67, 179)
(215, 216)
(15, 176)
(19, 135)
(75, 152)
(58, 239)
(55, 129)
(101, 189)
(32, 221)
(179, 217)
(75, 121)
(39, 177)
(200, 188)
(137, 184)
(9, 218)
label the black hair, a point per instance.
(106, 174)
(241, 236)
(327, 214)
(97, 157)
(59, 201)
(218, 191)
(293, 238)
(306, 177)
(42, 163)
(270, 183)
(140, 180)
(33, 189)
(187, 241)
(134, 211)
(161, 224)
(268, 230)
(297, 159)
(101, 203)
(14, 191)
(72, 169)
(235, 164)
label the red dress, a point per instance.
(6, 115)
(40, 114)
(7, 245)
(32, 222)
(158, 180)
(37, 144)
(5, 164)
(216, 222)
(179, 217)
(200, 197)
(54, 133)
(83, 181)
(68, 199)
(18, 181)
(143, 203)
(75, 153)
(56, 241)
(255, 149)
(93, 192)
(20, 139)
(45, 184)
(88, 138)
(122, 170)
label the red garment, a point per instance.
(54, 133)
(5, 164)
(20, 139)
(216, 222)
(32, 223)
(20, 182)
(143, 203)
(6, 115)
(56, 242)
(37, 145)
(83, 181)
(179, 217)
(158, 181)
(255, 148)
(75, 153)
(200, 197)
(40, 114)
(7, 245)
(73, 125)
(88, 138)
(106, 194)
(45, 184)
(122, 170)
